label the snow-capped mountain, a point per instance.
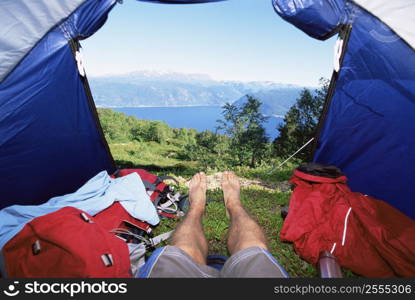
(160, 88)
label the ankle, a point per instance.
(196, 211)
(232, 201)
(235, 209)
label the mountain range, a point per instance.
(152, 88)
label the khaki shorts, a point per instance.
(171, 262)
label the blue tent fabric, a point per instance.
(24, 22)
(368, 130)
(50, 142)
(316, 18)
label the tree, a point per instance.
(300, 123)
(159, 132)
(210, 150)
(113, 125)
(186, 136)
(139, 131)
(245, 127)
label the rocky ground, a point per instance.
(215, 179)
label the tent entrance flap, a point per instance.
(367, 125)
(50, 137)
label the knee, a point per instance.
(248, 244)
(195, 253)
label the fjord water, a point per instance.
(197, 117)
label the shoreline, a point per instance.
(170, 106)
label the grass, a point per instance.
(269, 173)
(152, 156)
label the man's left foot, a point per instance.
(197, 192)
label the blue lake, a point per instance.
(197, 117)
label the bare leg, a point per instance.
(189, 235)
(244, 231)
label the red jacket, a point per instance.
(366, 235)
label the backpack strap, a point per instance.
(160, 238)
(150, 186)
(165, 177)
(162, 194)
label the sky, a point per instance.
(243, 40)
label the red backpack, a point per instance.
(66, 243)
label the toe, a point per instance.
(194, 181)
(224, 176)
(203, 179)
(234, 178)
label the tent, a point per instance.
(368, 124)
(51, 141)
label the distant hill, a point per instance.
(275, 102)
(151, 88)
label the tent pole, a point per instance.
(302, 147)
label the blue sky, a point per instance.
(232, 40)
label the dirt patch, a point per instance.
(214, 180)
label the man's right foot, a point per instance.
(231, 191)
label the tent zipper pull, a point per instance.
(338, 49)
